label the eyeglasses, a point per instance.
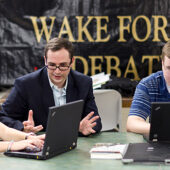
(61, 67)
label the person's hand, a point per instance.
(40, 137)
(29, 125)
(31, 143)
(87, 124)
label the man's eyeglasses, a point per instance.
(61, 67)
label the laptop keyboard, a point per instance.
(32, 150)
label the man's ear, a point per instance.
(45, 60)
(162, 62)
(72, 62)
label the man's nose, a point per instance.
(57, 70)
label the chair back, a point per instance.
(109, 103)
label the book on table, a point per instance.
(100, 79)
(107, 151)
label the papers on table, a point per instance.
(107, 151)
(100, 79)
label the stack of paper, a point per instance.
(100, 79)
(107, 151)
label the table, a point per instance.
(79, 158)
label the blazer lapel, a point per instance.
(47, 94)
(71, 91)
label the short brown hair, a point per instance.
(56, 44)
(166, 50)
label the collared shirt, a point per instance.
(59, 93)
(150, 89)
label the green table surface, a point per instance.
(79, 158)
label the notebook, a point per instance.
(157, 147)
(61, 133)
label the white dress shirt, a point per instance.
(59, 93)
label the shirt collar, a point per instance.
(60, 90)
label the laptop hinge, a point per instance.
(127, 161)
(155, 140)
(167, 161)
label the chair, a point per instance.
(109, 103)
(1, 102)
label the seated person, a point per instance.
(53, 85)
(17, 140)
(154, 88)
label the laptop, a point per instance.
(160, 122)
(61, 133)
(157, 147)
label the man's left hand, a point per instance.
(87, 124)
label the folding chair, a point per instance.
(109, 103)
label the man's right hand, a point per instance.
(29, 125)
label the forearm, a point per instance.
(11, 134)
(4, 146)
(10, 122)
(137, 125)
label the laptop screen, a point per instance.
(62, 127)
(160, 121)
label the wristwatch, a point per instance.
(29, 134)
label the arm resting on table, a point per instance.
(137, 124)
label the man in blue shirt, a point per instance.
(154, 88)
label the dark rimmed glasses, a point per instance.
(61, 67)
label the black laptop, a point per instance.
(157, 147)
(61, 134)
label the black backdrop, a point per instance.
(121, 37)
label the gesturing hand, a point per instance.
(29, 125)
(87, 124)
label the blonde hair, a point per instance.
(166, 50)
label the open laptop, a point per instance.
(160, 122)
(61, 133)
(157, 148)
